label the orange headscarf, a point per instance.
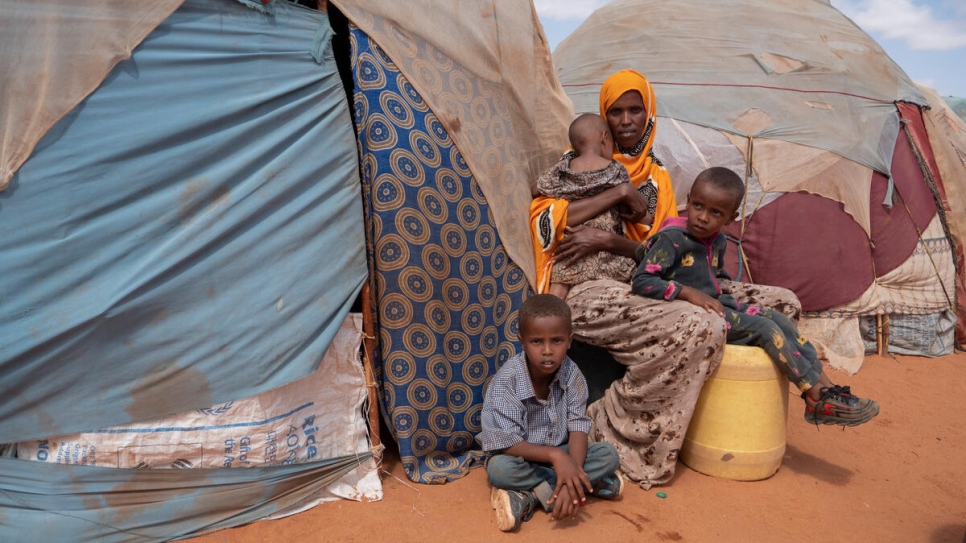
(548, 217)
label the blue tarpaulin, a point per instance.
(80, 504)
(190, 234)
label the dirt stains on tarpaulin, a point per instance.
(175, 503)
(144, 490)
(197, 197)
(44, 423)
(168, 389)
(91, 501)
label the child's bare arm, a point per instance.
(577, 447)
(537, 453)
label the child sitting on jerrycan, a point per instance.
(685, 259)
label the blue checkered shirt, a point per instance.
(513, 414)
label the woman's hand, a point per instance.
(581, 241)
(647, 220)
(633, 205)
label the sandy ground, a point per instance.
(901, 477)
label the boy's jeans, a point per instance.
(515, 473)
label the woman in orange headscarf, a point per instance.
(668, 348)
(627, 103)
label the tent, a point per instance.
(190, 207)
(855, 197)
(162, 224)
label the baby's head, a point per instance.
(713, 201)
(590, 135)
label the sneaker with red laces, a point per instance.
(839, 406)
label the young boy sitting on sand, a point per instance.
(685, 259)
(587, 170)
(535, 425)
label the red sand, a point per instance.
(901, 478)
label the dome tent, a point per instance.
(844, 196)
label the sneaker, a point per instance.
(610, 487)
(839, 406)
(513, 507)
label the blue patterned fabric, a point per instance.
(445, 291)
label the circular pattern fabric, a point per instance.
(446, 293)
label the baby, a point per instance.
(587, 170)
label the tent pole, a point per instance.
(368, 350)
(882, 334)
(749, 170)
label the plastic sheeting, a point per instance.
(190, 234)
(314, 418)
(80, 504)
(748, 67)
(505, 109)
(55, 53)
(807, 244)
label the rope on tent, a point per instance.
(598, 84)
(927, 176)
(928, 252)
(940, 204)
(767, 87)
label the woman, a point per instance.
(669, 348)
(627, 103)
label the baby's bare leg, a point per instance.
(559, 290)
